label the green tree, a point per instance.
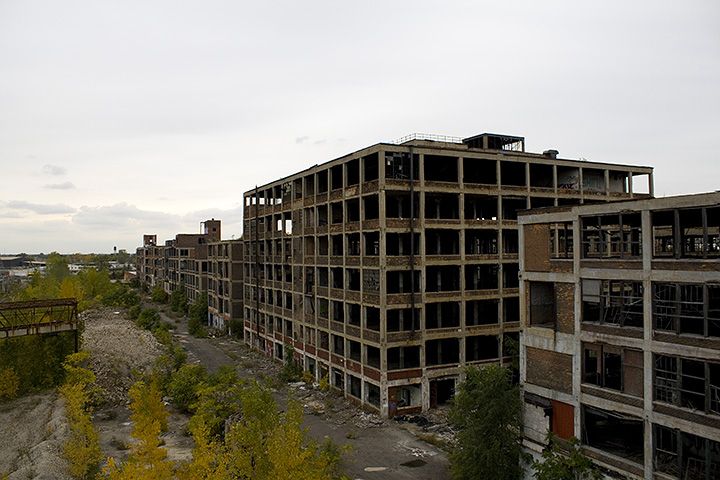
(158, 295)
(197, 317)
(179, 300)
(56, 267)
(486, 412)
(564, 461)
(185, 385)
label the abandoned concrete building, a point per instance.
(621, 333)
(181, 262)
(390, 269)
(225, 283)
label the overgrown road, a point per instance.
(376, 452)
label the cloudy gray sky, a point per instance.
(124, 117)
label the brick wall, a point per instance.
(537, 247)
(565, 297)
(549, 369)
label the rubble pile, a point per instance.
(117, 348)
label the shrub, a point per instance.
(134, 312)
(9, 384)
(183, 388)
(198, 317)
(178, 300)
(149, 319)
(158, 295)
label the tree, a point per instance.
(158, 295)
(197, 316)
(179, 300)
(486, 412)
(185, 384)
(564, 462)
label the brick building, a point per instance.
(621, 333)
(225, 283)
(392, 268)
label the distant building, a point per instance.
(390, 269)
(225, 283)
(621, 333)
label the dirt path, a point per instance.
(380, 450)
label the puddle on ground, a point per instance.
(414, 463)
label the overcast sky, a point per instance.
(119, 118)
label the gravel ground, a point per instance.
(32, 431)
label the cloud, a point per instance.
(60, 186)
(302, 139)
(53, 170)
(40, 208)
(123, 215)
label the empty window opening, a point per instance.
(511, 275)
(323, 277)
(353, 172)
(337, 244)
(400, 358)
(442, 351)
(442, 315)
(338, 379)
(512, 174)
(541, 176)
(324, 338)
(542, 304)
(370, 207)
(439, 168)
(400, 281)
(541, 202)
(398, 244)
(371, 246)
(481, 242)
(561, 240)
(336, 278)
(370, 167)
(687, 308)
(481, 312)
(397, 205)
(336, 213)
(568, 178)
(336, 177)
(372, 394)
(442, 206)
(352, 210)
(403, 397)
(322, 215)
(511, 206)
(338, 311)
(510, 241)
(442, 242)
(323, 308)
(353, 314)
(372, 355)
(401, 320)
(354, 350)
(615, 302)
(613, 367)
(481, 207)
(353, 244)
(480, 171)
(309, 185)
(353, 279)
(442, 278)
(372, 318)
(613, 432)
(612, 236)
(441, 392)
(593, 180)
(397, 166)
(322, 181)
(338, 345)
(481, 277)
(482, 347)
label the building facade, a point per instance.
(225, 283)
(621, 333)
(390, 269)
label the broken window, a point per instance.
(542, 304)
(442, 315)
(370, 207)
(353, 172)
(512, 174)
(336, 277)
(687, 308)
(397, 204)
(481, 347)
(338, 344)
(480, 277)
(481, 242)
(510, 207)
(616, 302)
(336, 177)
(372, 318)
(353, 279)
(403, 281)
(336, 213)
(442, 206)
(510, 241)
(338, 311)
(511, 275)
(441, 242)
(612, 236)
(398, 166)
(684, 455)
(442, 351)
(613, 367)
(353, 314)
(337, 245)
(322, 181)
(480, 171)
(481, 207)
(371, 244)
(688, 383)
(400, 320)
(353, 244)
(352, 210)
(324, 340)
(372, 355)
(561, 240)
(440, 168)
(541, 175)
(613, 432)
(354, 350)
(322, 215)
(399, 358)
(372, 394)
(511, 309)
(397, 244)
(687, 233)
(370, 167)
(481, 312)
(442, 278)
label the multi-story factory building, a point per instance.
(621, 333)
(392, 268)
(225, 283)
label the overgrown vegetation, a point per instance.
(197, 316)
(292, 371)
(486, 413)
(563, 460)
(9, 384)
(82, 449)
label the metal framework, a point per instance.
(37, 317)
